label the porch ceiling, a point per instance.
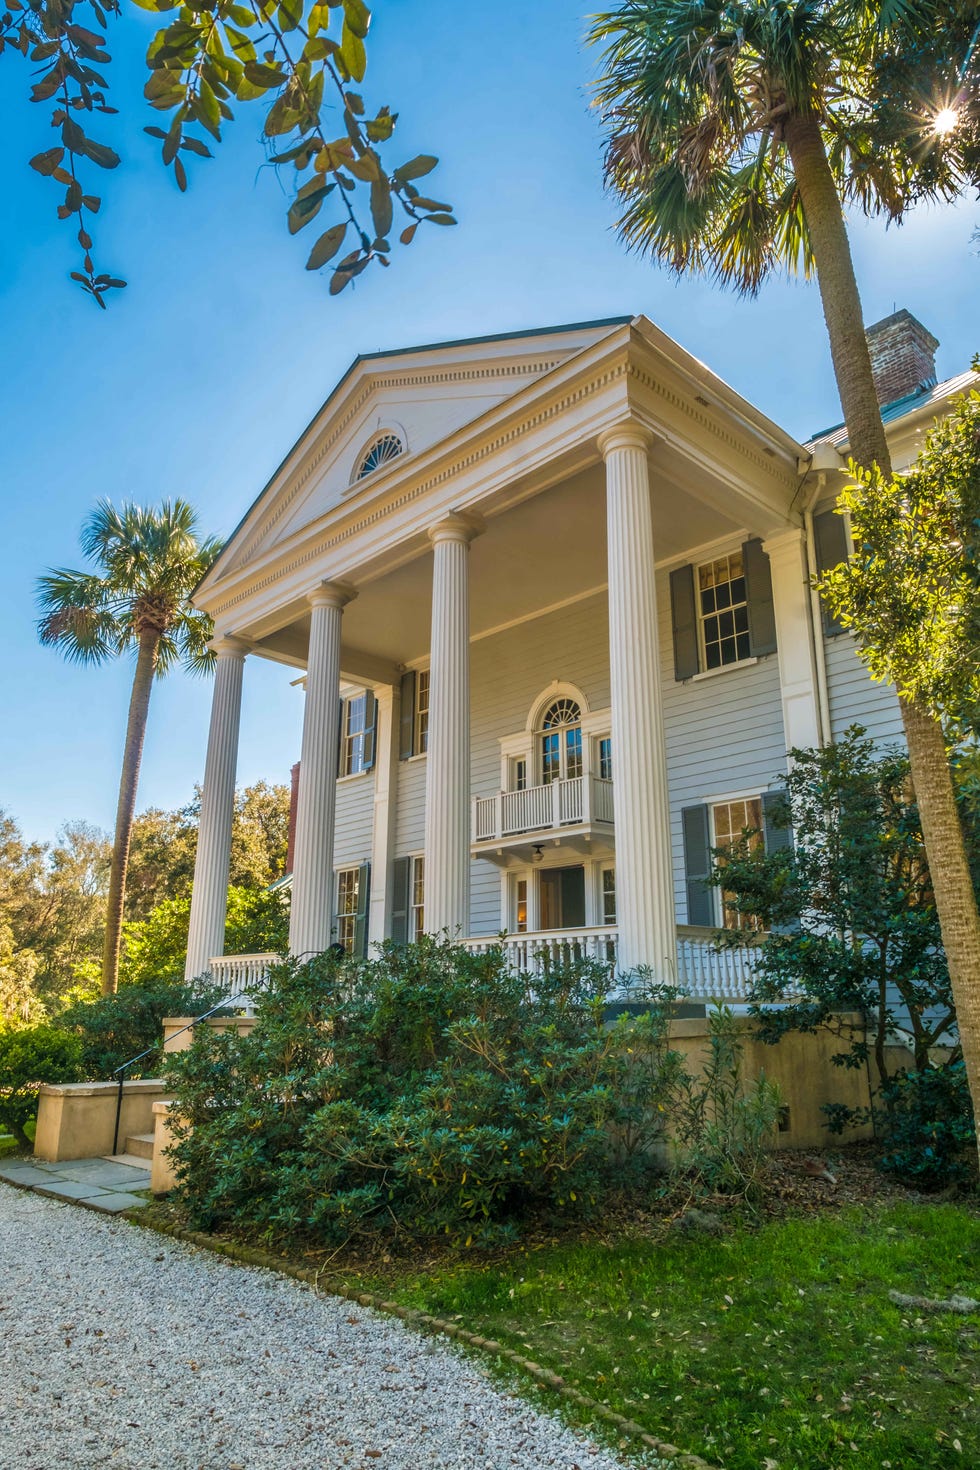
(539, 552)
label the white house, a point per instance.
(550, 591)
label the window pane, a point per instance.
(724, 614)
(573, 751)
(609, 895)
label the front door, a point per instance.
(562, 895)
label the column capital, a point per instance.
(783, 543)
(629, 434)
(229, 645)
(332, 594)
(457, 526)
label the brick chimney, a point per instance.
(903, 356)
(293, 797)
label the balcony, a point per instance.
(578, 809)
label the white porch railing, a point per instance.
(704, 973)
(242, 974)
(569, 803)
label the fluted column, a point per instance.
(447, 777)
(644, 875)
(209, 896)
(312, 898)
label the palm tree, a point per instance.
(149, 561)
(738, 134)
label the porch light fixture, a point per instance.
(537, 855)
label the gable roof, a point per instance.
(380, 356)
(929, 396)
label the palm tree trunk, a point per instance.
(139, 704)
(942, 833)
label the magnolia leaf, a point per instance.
(416, 168)
(441, 219)
(180, 174)
(381, 207)
(326, 247)
(352, 53)
(263, 76)
(408, 234)
(47, 162)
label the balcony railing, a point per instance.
(704, 973)
(575, 802)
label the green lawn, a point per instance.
(767, 1348)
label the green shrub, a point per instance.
(725, 1124)
(928, 1126)
(30, 1055)
(115, 1028)
(428, 1091)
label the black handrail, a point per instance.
(121, 1071)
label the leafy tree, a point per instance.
(738, 133)
(148, 561)
(52, 913)
(156, 948)
(164, 846)
(913, 592)
(849, 906)
(30, 1055)
(303, 59)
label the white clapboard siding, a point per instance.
(355, 819)
(724, 735)
(854, 698)
(508, 673)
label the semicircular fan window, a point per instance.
(386, 447)
(562, 712)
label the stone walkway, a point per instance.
(123, 1349)
(99, 1184)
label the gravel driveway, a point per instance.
(124, 1349)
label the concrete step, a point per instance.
(140, 1145)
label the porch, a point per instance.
(704, 973)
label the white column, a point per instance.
(385, 804)
(794, 642)
(447, 777)
(644, 870)
(209, 896)
(311, 909)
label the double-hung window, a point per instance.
(352, 747)
(723, 611)
(730, 819)
(346, 916)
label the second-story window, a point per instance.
(354, 736)
(422, 712)
(560, 742)
(605, 761)
(723, 611)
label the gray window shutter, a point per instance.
(758, 594)
(406, 746)
(697, 864)
(830, 548)
(684, 622)
(778, 836)
(401, 877)
(370, 728)
(363, 900)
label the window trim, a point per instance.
(380, 435)
(702, 616)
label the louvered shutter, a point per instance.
(370, 728)
(831, 548)
(684, 622)
(697, 864)
(758, 593)
(363, 900)
(401, 877)
(406, 746)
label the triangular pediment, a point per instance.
(422, 396)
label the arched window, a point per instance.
(385, 447)
(560, 741)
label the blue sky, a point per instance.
(203, 372)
